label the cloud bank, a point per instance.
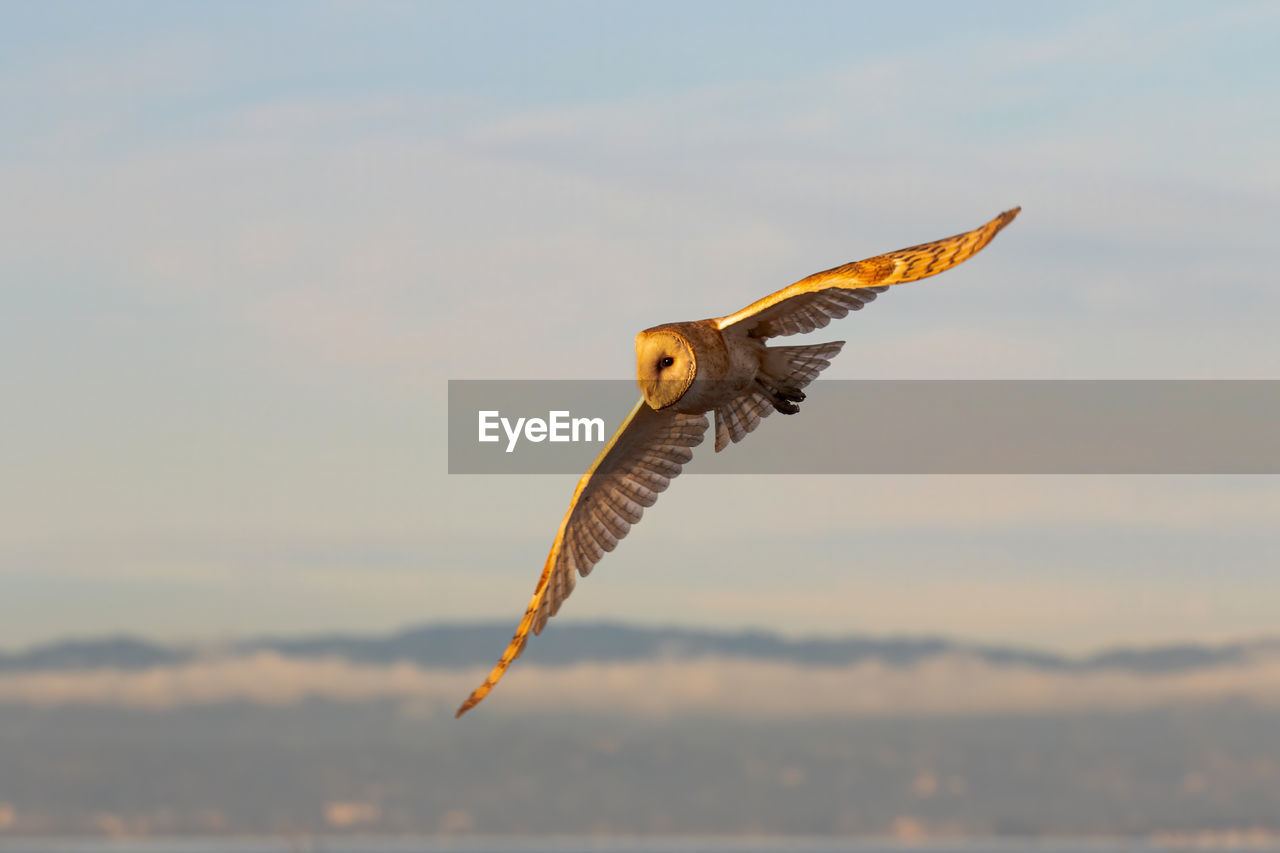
(948, 685)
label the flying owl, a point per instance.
(686, 370)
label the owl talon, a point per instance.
(783, 399)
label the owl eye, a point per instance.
(666, 361)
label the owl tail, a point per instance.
(784, 372)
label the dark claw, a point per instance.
(783, 401)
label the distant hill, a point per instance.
(100, 653)
(470, 645)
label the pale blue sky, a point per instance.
(243, 246)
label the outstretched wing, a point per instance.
(813, 302)
(642, 458)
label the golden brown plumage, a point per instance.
(640, 460)
(685, 370)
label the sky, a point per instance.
(243, 248)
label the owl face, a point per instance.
(665, 366)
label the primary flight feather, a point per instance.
(722, 365)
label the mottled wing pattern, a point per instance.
(813, 302)
(788, 368)
(646, 453)
(807, 311)
(738, 417)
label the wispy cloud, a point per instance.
(237, 267)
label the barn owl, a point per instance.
(685, 371)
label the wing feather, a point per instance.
(811, 303)
(644, 455)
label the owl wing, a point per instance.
(643, 457)
(813, 302)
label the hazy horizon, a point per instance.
(500, 626)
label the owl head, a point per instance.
(665, 366)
